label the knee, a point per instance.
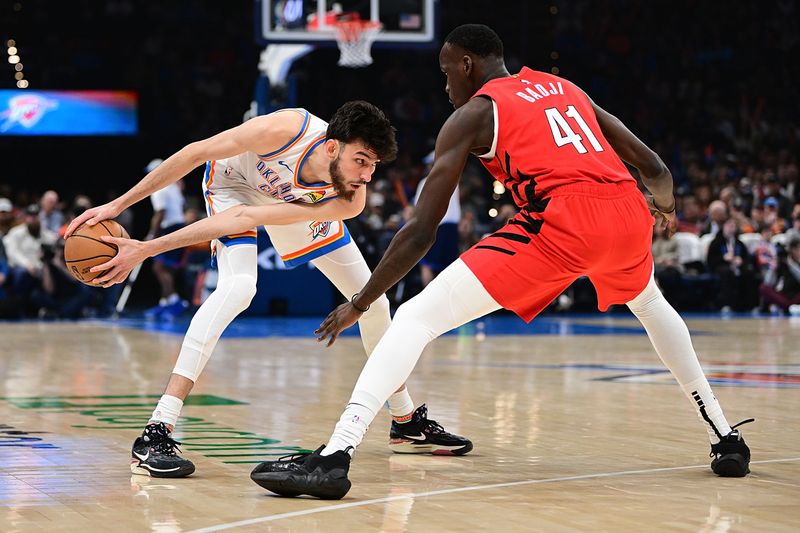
(238, 289)
(379, 308)
(415, 310)
(649, 298)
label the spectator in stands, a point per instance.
(781, 288)
(794, 231)
(757, 217)
(50, 215)
(668, 268)
(772, 189)
(7, 218)
(729, 259)
(24, 251)
(746, 194)
(445, 249)
(717, 215)
(60, 294)
(765, 253)
(689, 215)
(7, 307)
(772, 217)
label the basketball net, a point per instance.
(355, 38)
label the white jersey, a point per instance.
(170, 200)
(276, 175)
(263, 179)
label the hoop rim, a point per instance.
(351, 30)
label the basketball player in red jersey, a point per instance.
(580, 214)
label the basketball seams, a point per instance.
(113, 247)
(88, 258)
(106, 228)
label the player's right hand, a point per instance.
(93, 216)
(666, 222)
(130, 253)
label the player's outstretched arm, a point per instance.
(229, 222)
(464, 131)
(261, 135)
(655, 174)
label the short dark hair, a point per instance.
(360, 120)
(479, 39)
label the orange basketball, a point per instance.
(84, 248)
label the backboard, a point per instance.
(405, 22)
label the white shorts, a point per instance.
(296, 243)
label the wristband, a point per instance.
(674, 205)
(353, 302)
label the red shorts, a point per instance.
(602, 231)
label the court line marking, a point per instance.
(336, 507)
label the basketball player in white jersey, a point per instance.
(299, 177)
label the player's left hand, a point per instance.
(338, 320)
(129, 254)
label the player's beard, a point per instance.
(339, 182)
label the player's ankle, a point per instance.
(169, 427)
(404, 419)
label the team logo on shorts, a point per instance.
(315, 196)
(320, 229)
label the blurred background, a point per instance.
(709, 85)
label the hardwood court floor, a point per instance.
(580, 429)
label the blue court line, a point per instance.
(252, 327)
(629, 372)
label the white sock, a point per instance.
(401, 407)
(670, 338)
(708, 408)
(168, 410)
(352, 426)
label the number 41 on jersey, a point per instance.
(563, 134)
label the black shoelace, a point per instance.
(434, 427)
(743, 422)
(166, 445)
(430, 425)
(161, 442)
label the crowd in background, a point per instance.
(715, 100)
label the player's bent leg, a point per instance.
(670, 337)
(346, 269)
(455, 297)
(154, 453)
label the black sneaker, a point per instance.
(731, 454)
(306, 473)
(420, 435)
(154, 454)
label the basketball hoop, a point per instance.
(355, 38)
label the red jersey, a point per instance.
(546, 136)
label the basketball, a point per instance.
(85, 249)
